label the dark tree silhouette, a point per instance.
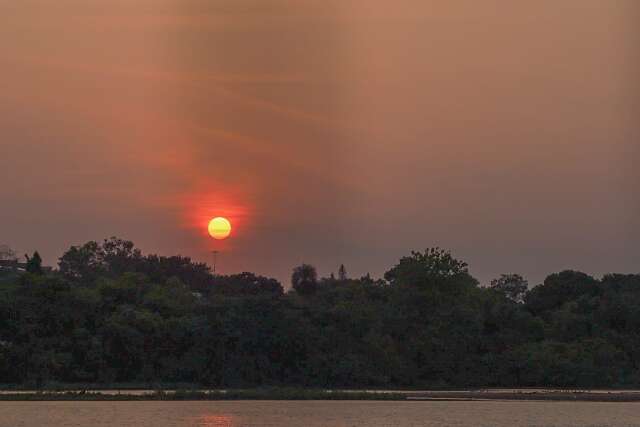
(82, 263)
(246, 284)
(435, 268)
(559, 288)
(304, 279)
(513, 286)
(34, 263)
(110, 314)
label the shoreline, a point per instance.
(319, 394)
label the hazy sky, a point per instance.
(328, 131)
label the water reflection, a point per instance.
(217, 420)
(318, 414)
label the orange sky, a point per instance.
(333, 131)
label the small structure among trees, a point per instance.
(9, 260)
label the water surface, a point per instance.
(317, 414)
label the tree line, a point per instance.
(110, 314)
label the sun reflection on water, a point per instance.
(217, 420)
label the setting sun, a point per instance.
(219, 228)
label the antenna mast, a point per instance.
(215, 259)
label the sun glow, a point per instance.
(219, 228)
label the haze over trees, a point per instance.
(110, 314)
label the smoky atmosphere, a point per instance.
(328, 132)
(328, 213)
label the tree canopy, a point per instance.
(110, 313)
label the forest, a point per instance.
(110, 314)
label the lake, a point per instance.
(316, 414)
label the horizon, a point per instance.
(336, 132)
(286, 283)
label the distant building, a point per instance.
(12, 265)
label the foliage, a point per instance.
(246, 284)
(434, 268)
(513, 286)
(34, 263)
(304, 279)
(111, 314)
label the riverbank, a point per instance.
(244, 394)
(319, 394)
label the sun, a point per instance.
(219, 228)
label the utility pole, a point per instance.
(215, 259)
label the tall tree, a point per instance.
(434, 268)
(304, 279)
(559, 289)
(82, 263)
(34, 263)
